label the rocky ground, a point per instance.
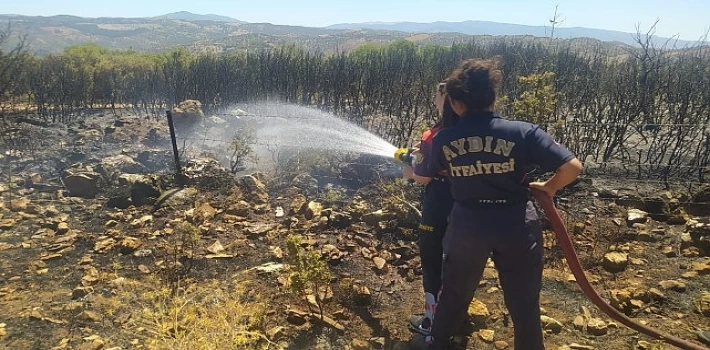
(101, 249)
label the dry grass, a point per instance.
(210, 314)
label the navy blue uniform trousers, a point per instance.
(512, 237)
(437, 203)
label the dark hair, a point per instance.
(474, 82)
(448, 117)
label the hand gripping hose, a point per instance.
(565, 242)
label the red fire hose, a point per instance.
(565, 242)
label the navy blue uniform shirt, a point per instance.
(486, 157)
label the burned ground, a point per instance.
(101, 249)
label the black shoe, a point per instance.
(420, 324)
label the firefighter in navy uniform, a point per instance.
(436, 206)
(486, 158)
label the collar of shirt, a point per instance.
(477, 117)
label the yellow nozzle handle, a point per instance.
(403, 155)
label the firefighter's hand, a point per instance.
(564, 175)
(544, 187)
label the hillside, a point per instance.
(46, 35)
(493, 28)
(52, 34)
(189, 16)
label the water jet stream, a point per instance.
(296, 126)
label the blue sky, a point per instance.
(688, 19)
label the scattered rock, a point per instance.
(579, 322)
(329, 322)
(104, 245)
(700, 202)
(89, 135)
(275, 332)
(669, 252)
(254, 189)
(678, 217)
(690, 252)
(362, 295)
(187, 114)
(332, 252)
(62, 228)
(500, 345)
(207, 173)
(702, 268)
(20, 204)
(340, 220)
(215, 248)
(113, 167)
(636, 216)
(579, 228)
(377, 216)
(645, 236)
(277, 253)
(703, 304)
(298, 204)
(260, 229)
(673, 285)
(7, 224)
(297, 317)
(378, 342)
(313, 210)
(379, 263)
(478, 312)
(142, 188)
(119, 201)
(486, 335)
(631, 200)
(240, 208)
(80, 292)
(359, 344)
(83, 184)
(596, 327)
(305, 182)
(629, 300)
(93, 342)
(699, 232)
(155, 160)
(142, 221)
(91, 316)
(551, 324)
(615, 261)
(689, 274)
(655, 295)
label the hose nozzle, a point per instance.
(404, 155)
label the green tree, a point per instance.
(538, 101)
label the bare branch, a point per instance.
(555, 21)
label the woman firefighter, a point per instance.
(436, 205)
(486, 159)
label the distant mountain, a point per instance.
(189, 16)
(495, 28)
(212, 33)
